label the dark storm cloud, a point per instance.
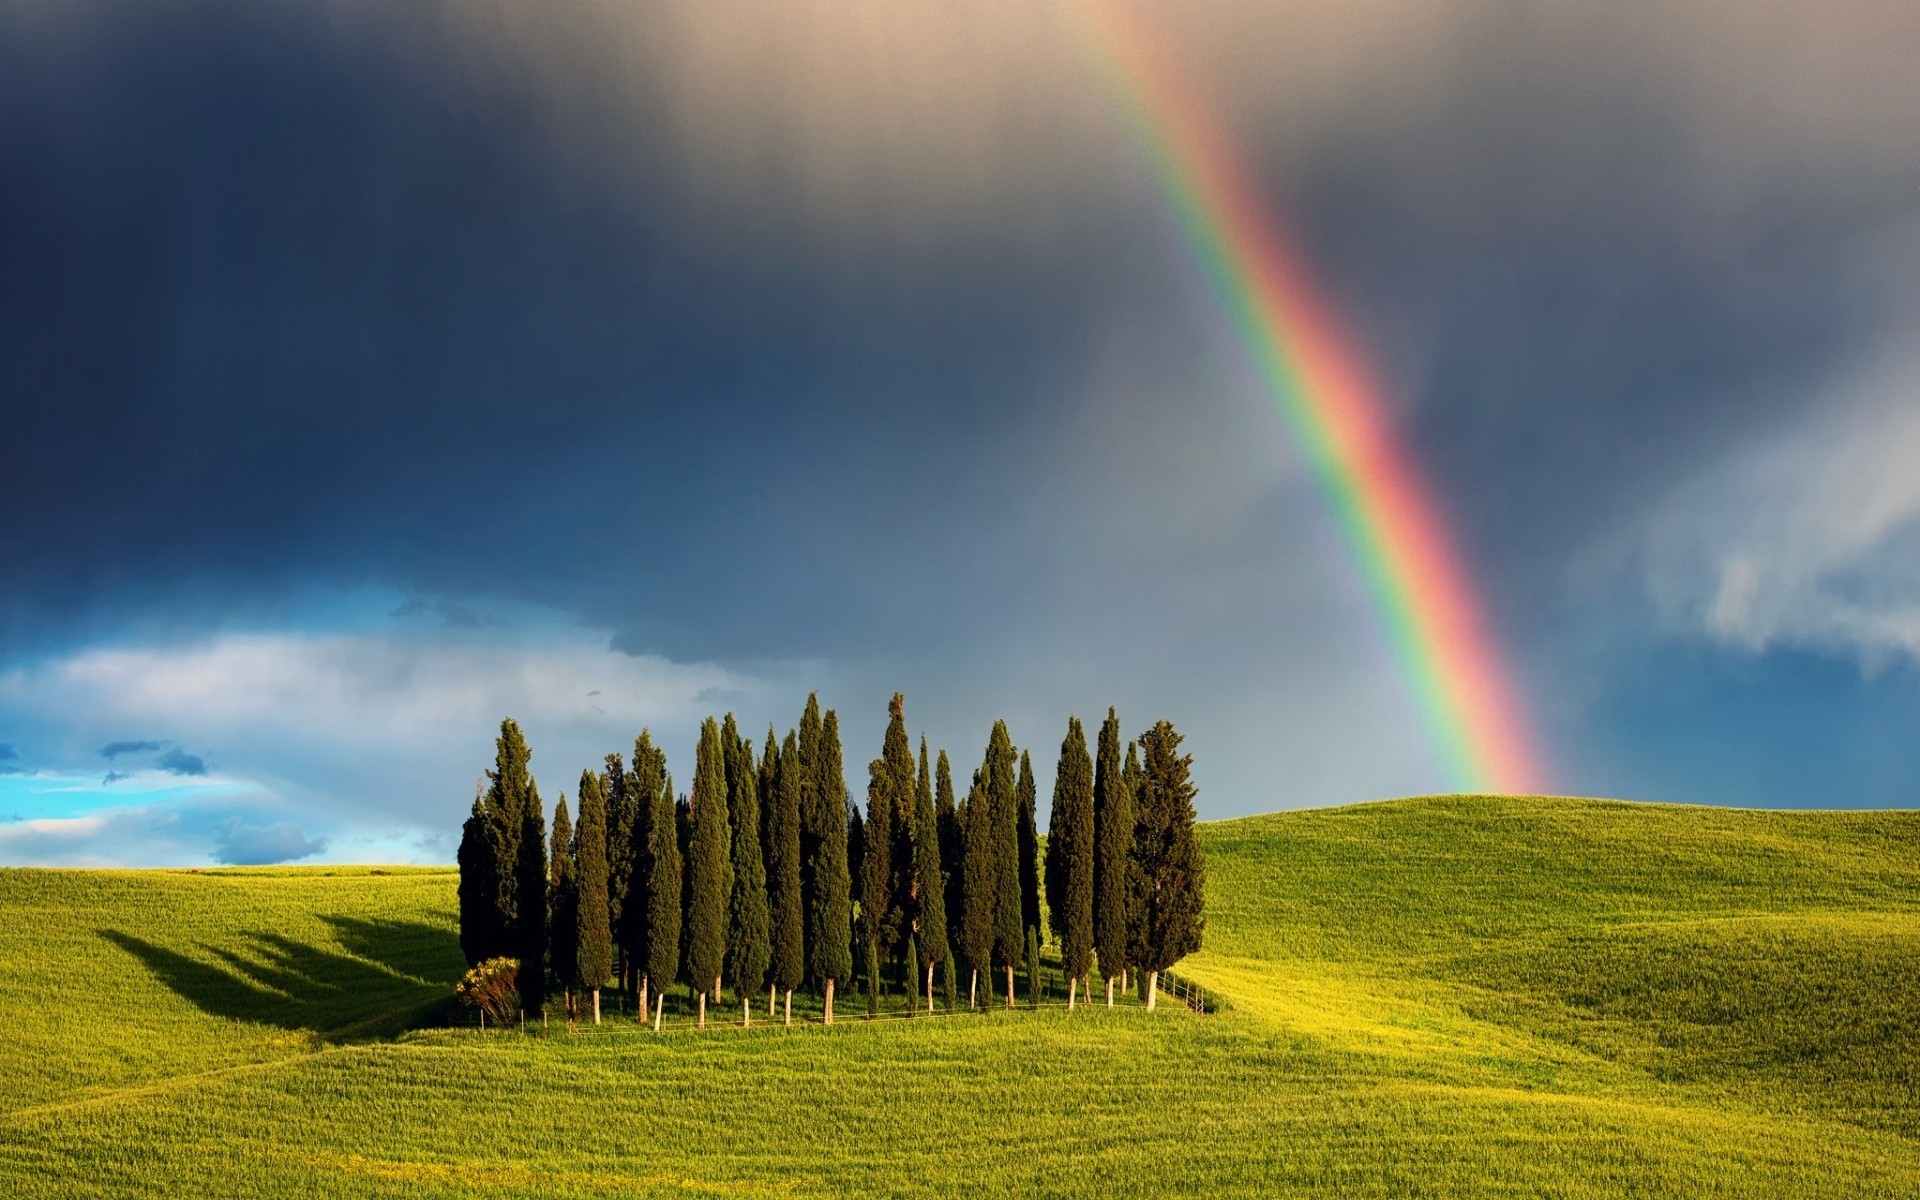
(178, 762)
(116, 749)
(800, 334)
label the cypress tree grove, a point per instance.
(495, 890)
(532, 916)
(831, 952)
(929, 890)
(664, 876)
(709, 868)
(1112, 854)
(622, 812)
(1026, 801)
(1070, 833)
(876, 890)
(636, 910)
(1009, 933)
(593, 963)
(788, 959)
(948, 818)
(978, 889)
(563, 935)
(1171, 880)
(747, 918)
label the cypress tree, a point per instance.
(1009, 932)
(1112, 852)
(1130, 786)
(831, 951)
(709, 868)
(664, 885)
(978, 894)
(947, 982)
(594, 961)
(857, 865)
(1070, 832)
(1170, 882)
(813, 826)
(748, 937)
(897, 921)
(929, 890)
(636, 918)
(479, 888)
(563, 934)
(1027, 800)
(913, 977)
(532, 915)
(788, 959)
(948, 818)
(873, 978)
(622, 812)
(876, 891)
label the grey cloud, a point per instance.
(178, 762)
(242, 843)
(116, 749)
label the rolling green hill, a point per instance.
(1436, 997)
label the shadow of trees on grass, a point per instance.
(392, 975)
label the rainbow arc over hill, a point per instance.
(1396, 533)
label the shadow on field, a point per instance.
(271, 979)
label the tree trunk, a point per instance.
(659, 1010)
(770, 999)
(929, 989)
(789, 1006)
(1071, 985)
(973, 987)
(645, 1000)
(1009, 985)
(703, 1008)
(829, 1009)
(746, 1012)
(716, 989)
(1109, 991)
(596, 1006)
(1153, 988)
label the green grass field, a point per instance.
(1441, 997)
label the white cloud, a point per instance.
(1808, 535)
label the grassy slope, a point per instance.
(1436, 997)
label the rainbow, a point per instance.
(1391, 524)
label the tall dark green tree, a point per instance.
(709, 868)
(1003, 817)
(645, 782)
(831, 949)
(1026, 802)
(929, 889)
(813, 824)
(490, 853)
(1131, 784)
(1070, 833)
(877, 928)
(1170, 882)
(622, 812)
(978, 891)
(788, 960)
(593, 965)
(665, 872)
(948, 815)
(563, 895)
(896, 752)
(1112, 854)
(479, 890)
(748, 935)
(531, 919)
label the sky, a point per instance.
(371, 371)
